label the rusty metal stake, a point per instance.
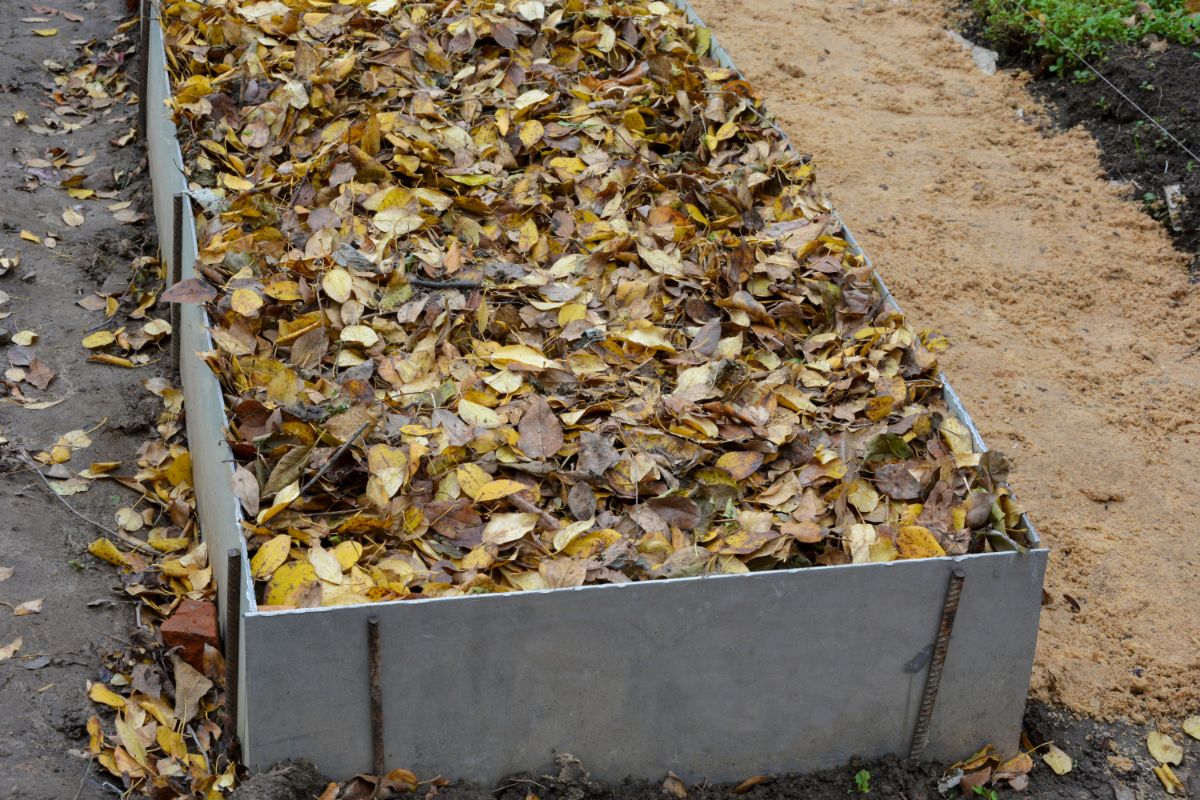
(233, 633)
(176, 275)
(377, 754)
(143, 67)
(934, 679)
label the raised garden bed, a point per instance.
(765, 664)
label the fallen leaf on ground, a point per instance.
(1164, 749)
(9, 650)
(1057, 760)
(28, 607)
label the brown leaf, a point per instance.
(596, 454)
(541, 434)
(581, 500)
(750, 783)
(192, 290)
(40, 375)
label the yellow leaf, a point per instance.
(521, 355)
(915, 541)
(270, 556)
(861, 538)
(107, 551)
(531, 132)
(24, 338)
(348, 553)
(359, 334)
(505, 528)
(472, 479)
(471, 180)
(236, 182)
(98, 339)
(325, 564)
(99, 693)
(494, 490)
(740, 464)
(569, 533)
(1169, 780)
(1191, 726)
(477, 415)
(129, 519)
(956, 436)
(282, 500)
(131, 741)
(95, 735)
(1164, 749)
(72, 217)
(246, 302)
(289, 582)
(46, 31)
(861, 495)
(1058, 761)
(592, 543)
(530, 98)
(30, 236)
(398, 221)
(337, 284)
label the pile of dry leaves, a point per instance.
(532, 294)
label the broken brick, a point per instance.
(193, 625)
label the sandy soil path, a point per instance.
(1078, 336)
(43, 702)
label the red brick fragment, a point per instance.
(193, 625)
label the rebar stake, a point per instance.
(934, 679)
(143, 70)
(377, 754)
(176, 312)
(233, 634)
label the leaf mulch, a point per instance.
(536, 295)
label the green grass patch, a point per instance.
(1089, 27)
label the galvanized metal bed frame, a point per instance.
(713, 678)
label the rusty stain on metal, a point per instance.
(143, 67)
(376, 677)
(176, 274)
(233, 632)
(933, 680)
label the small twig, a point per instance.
(87, 770)
(336, 455)
(425, 283)
(523, 504)
(120, 536)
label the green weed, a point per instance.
(862, 781)
(1089, 27)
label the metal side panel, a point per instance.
(717, 678)
(206, 423)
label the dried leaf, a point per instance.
(541, 434)
(1057, 760)
(28, 607)
(1164, 749)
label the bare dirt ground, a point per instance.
(43, 703)
(1074, 323)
